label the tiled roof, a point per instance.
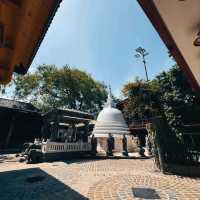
(13, 104)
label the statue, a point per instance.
(94, 145)
(110, 145)
(148, 145)
(112, 141)
(124, 144)
(140, 146)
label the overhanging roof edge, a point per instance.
(44, 31)
(154, 16)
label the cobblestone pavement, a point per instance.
(115, 179)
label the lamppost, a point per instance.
(142, 53)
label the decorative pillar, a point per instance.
(55, 128)
(86, 129)
(44, 129)
(73, 132)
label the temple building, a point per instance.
(65, 133)
(110, 121)
(67, 125)
(20, 122)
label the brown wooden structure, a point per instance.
(67, 125)
(23, 24)
(20, 122)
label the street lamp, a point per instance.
(142, 53)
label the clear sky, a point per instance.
(100, 37)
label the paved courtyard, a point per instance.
(92, 179)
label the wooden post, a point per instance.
(86, 129)
(10, 131)
(74, 132)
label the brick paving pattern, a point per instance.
(115, 179)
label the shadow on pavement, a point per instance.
(81, 161)
(34, 184)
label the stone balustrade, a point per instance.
(56, 147)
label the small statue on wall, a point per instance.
(148, 145)
(94, 145)
(124, 145)
(140, 145)
(110, 145)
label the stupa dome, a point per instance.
(110, 120)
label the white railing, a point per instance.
(53, 147)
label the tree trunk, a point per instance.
(160, 153)
(160, 130)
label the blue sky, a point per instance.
(100, 36)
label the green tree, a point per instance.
(169, 94)
(7, 90)
(141, 99)
(171, 97)
(50, 87)
(181, 106)
(180, 103)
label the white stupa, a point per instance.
(111, 120)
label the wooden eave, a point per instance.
(171, 25)
(68, 115)
(23, 25)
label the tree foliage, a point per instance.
(170, 96)
(64, 87)
(180, 103)
(142, 99)
(181, 107)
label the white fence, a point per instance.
(55, 147)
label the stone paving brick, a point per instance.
(109, 179)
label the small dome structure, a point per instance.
(110, 120)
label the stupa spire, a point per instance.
(109, 103)
(109, 92)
